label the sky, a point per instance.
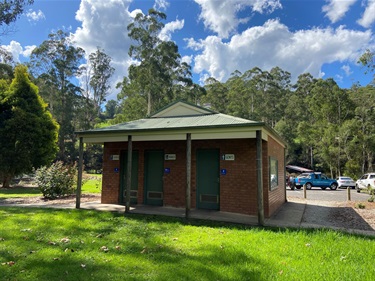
(216, 37)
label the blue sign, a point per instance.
(167, 170)
(223, 172)
(116, 170)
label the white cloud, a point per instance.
(336, 9)
(161, 5)
(273, 44)
(35, 15)
(347, 70)
(339, 78)
(18, 51)
(134, 13)
(169, 28)
(220, 16)
(104, 25)
(187, 59)
(368, 17)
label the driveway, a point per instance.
(340, 195)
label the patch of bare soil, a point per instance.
(363, 210)
(58, 201)
(348, 215)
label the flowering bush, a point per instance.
(57, 180)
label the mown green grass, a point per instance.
(50, 244)
(91, 184)
(19, 191)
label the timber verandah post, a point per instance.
(79, 180)
(188, 175)
(129, 174)
(259, 168)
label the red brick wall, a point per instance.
(276, 197)
(238, 188)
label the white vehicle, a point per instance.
(366, 181)
(345, 182)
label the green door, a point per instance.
(208, 177)
(154, 171)
(134, 183)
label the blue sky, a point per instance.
(217, 37)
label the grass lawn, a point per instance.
(50, 244)
(91, 184)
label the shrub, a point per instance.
(360, 206)
(372, 193)
(57, 180)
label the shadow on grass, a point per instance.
(146, 250)
(19, 191)
(147, 247)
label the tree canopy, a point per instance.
(28, 133)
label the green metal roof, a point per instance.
(177, 117)
(178, 122)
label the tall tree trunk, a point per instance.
(6, 181)
(148, 103)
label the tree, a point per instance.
(364, 126)
(55, 62)
(159, 68)
(97, 76)
(111, 108)
(28, 133)
(217, 95)
(11, 10)
(368, 60)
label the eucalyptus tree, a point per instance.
(95, 79)
(217, 95)
(368, 60)
(10, 11)
(237, 95)
(364, 121)
(28, 133)
(55, 63)
(330, 107)
(250, 78)
(184, 88)
(111, 108)
(277, 96)
(158, 67)
(133, 104)
(299, 122)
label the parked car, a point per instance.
(315, 179)
(345, 182)
(366, 181)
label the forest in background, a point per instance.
(326, 128)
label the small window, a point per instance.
(274, 179)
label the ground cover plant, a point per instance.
(51, 244)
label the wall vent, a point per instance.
(154, 195)
(208, 198)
